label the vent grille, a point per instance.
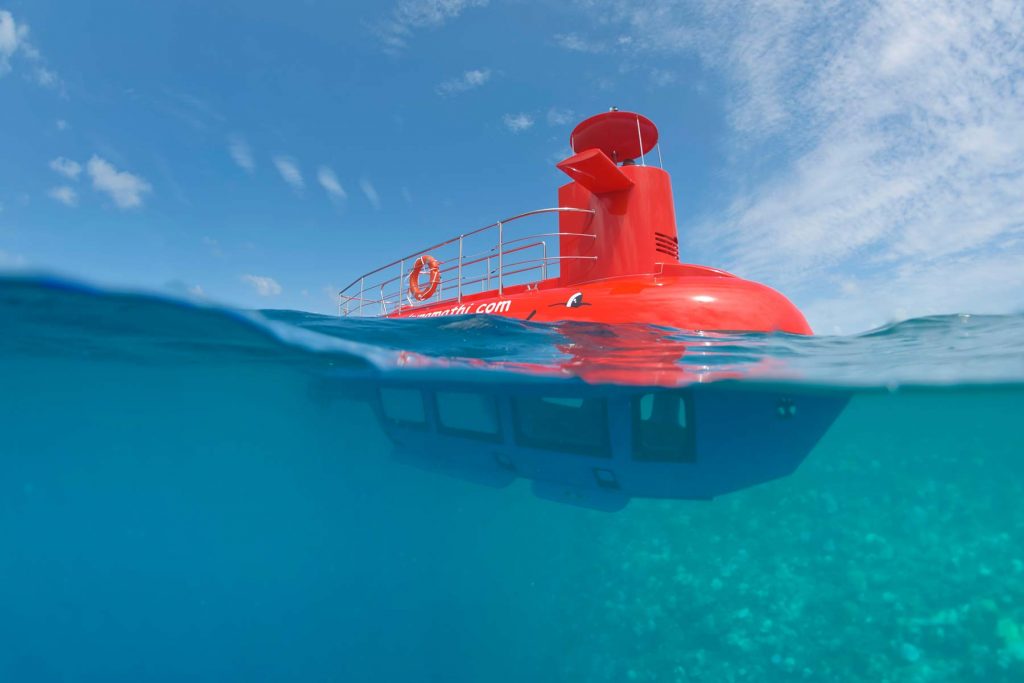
(666, 244)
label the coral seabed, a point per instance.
(894, 556)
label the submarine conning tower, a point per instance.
(632, 230)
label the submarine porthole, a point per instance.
(570, 424)
(662, 429)
(403, 406)
(468, 414)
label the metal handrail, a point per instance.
(394, 298)
(499, 251)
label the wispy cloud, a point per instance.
(193, 110)
(46, 77)
(126, 189)
(62, 125)
(329, 181)
(473, 78)
(241, 153)
(213, 245)
(289, 171)
(264, 285)
(64, 194)
(559, 117)
(898, 137)
(517, 123)
(14, 42)
(11, 37)
(66, 167)
(371, 192)
(577, 43)
(409, 16)
(662, 77)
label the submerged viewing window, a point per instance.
(403, 406)
(468, 414)
(576, 425)
(662, 428)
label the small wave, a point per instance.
(49, 316)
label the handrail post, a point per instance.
(544, 262)
(640, 136)
(383, 306)
(348, 308)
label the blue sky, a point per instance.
(865, 158)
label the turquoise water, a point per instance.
(178, 501)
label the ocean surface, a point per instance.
(193, 493)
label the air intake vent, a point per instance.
(666, 244)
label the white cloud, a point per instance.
(560, 117)
(289, 171)
(662, 77)
(371, 192)
(11, 35)
(264, 286)
(64, 194)
(979, 284)
(517, 123)
(577, 43)
(409, 16)
(66, 167)
(329, 181)
(14, 41)
(473, 78)
(45, 77)
(241, 153)
(124, 188)
(895, 133)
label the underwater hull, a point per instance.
(600, 446)
(712, 301)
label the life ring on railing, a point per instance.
(434, 268)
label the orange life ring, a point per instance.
(414, 277)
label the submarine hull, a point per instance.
(600, 446)
(708, 300)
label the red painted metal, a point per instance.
(635, 230)
(595, 171)
(690, 302)
(621, 135)
(636, 276)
